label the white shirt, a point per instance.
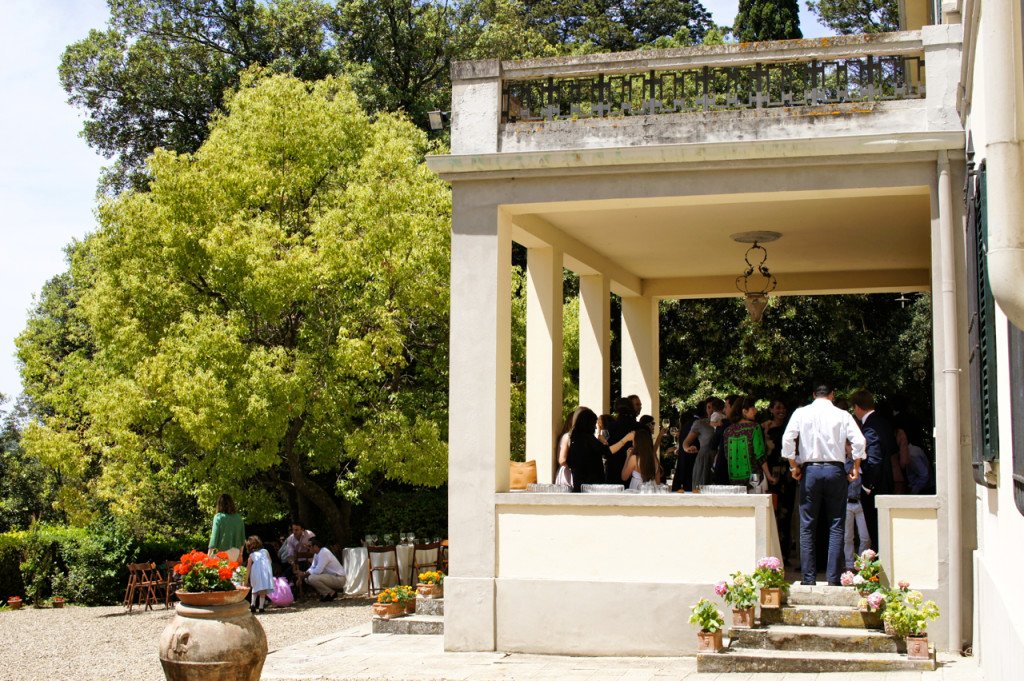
(291, 545)
(324, 563)
(823, 429)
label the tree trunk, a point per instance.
(337, 521)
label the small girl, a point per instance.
(259, 574)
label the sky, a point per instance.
(47, 172)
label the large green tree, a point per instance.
(270, 316)
(759, 20)
(847, 17)
(159, 70)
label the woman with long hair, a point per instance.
(586, 452)
(641, 464)
(228, 533)
(562, 447)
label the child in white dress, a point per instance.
(259, 573)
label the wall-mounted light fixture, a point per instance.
(438, 119)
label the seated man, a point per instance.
(294, 549)
(326, 574)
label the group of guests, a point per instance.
(301, 557)
(619, 449)
(729, 441)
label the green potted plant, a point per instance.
(866, 577)
(770, 577)
(407, 597)
(389, 604)
(709, 618)
(431, 584)
(741, 594)
(908, 616)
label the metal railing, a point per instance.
(866, 78)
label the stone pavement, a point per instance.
(356, 654)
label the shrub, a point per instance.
(421, 510)
(706, 616)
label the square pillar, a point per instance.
(595, 341)
(478, 420)
(543, 357)
(640, 351)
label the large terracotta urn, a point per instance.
(219, 641)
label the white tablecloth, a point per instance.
(357, 574)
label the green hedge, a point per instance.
(421, 510)
(84, 565)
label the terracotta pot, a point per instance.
(917, 648)
(213, 643)
(430, 590)
(209, 598)
(708, 642)
(388, 610)
(58, 602)
(743, 618)
(14, 603)
(410, 606)
(771, 597)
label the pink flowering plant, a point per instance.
(740, 592)
(867, 577)
(769, 574)
(874, 602)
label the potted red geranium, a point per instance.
(210, 579)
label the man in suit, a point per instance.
(880, 448)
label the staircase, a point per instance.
(820, 629)
(429, 619)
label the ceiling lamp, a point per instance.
(756, 287)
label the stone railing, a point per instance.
(746, 76)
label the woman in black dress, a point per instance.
(587, 453)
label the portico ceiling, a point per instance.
(864, 239)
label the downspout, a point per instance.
(951, 398)
(1004, 122)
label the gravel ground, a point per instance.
(108, 643)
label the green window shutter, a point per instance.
(981, 331)
(1016, 348)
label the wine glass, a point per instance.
(412, 538)
(665, 423)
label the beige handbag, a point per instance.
(521, 474)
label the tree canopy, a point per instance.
(759, 20)
(269, 316)
(857, 16)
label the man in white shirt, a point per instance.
(295, 549)
(822, 430)
(326, 574)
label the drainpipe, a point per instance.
(951, 398)
(1004, 122)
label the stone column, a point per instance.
(478, 421)
(595, 340)
(640, 351)
(543, 357)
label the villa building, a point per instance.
(887, 163)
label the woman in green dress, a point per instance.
(228, 532)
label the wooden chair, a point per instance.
(442, 557)
(417, 566)
(302, 560)
(381, 551)
(171, 581)
(143, 581)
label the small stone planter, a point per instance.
(743, 617)
(430, 590)
(917, 648)
(771, 597)
(709, 642)
(387, 611)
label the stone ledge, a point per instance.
(779, 661)
(413, 624)
(821, 616)
(430, 606)
(827, 639)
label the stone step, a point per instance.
(834, 639)
(790, 661)
(429, 606)
(823, 594)
(410, 624)
(820, 616)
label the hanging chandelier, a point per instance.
(757, 281)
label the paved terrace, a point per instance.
(357, 654)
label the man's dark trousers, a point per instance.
(822, 499)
